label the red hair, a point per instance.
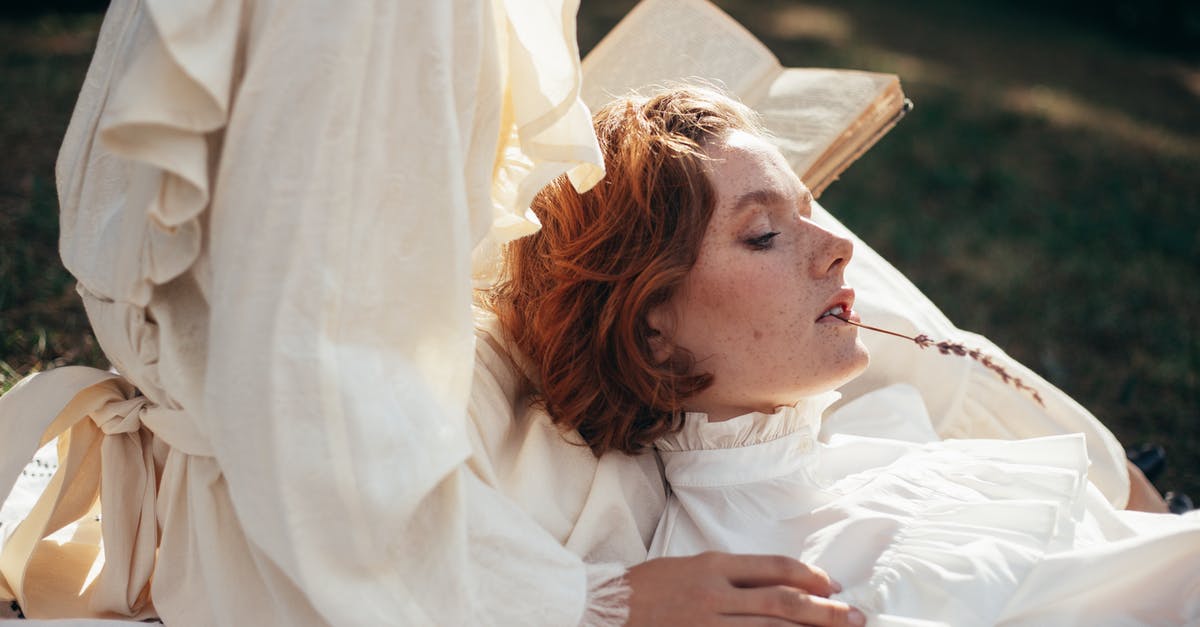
(575, 295)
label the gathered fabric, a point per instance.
(921, 531)
(108, 466)
(111, 440)
(963, 398)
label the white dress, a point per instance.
(918, 531)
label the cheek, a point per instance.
(751, 314)
(771, 298)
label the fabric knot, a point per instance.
(173, 426)
(120, 416)
(106, 467)
(177, 428)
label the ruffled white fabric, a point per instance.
(271, 211)
(603, 510)
(748, 429)
(550, 128)
(896, 410)
(963, 399)
(921, 532)
(960, 529)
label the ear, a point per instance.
(661, 320)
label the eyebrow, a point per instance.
(767, 198)
(764, 197)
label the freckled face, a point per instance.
(750, 310)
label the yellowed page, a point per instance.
(807, 110)
(821, 119)
(677, 40)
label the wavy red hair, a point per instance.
(575, 295)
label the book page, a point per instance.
(821, 119)
(675, 40)
(807, 110)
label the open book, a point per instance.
(821, 119)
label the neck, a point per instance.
(721, 413)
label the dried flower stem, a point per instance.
(956, 348)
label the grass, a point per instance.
(42, 324)
(1044, 192)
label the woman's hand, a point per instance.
(724, 589)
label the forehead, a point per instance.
(743, 163)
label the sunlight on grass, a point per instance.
(1062, 109)
(911, 68)
(52, 34)
(1190, 79)
(9, 377)
(801, 21)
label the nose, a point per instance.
(831, 252)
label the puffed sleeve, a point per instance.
(349, 199)
(317, 176)
(964, 398)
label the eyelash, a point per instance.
(761, 242)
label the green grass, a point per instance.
(42, 324)
(1044, 192)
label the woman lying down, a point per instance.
(689, 303)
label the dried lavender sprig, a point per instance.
(946, 348)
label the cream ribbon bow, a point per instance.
(106, 464)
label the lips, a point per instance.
(837, 310)
(842, 304)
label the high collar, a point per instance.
(698, 433)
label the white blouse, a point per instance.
(961, 532)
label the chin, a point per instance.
(855, 364)
(845, 369)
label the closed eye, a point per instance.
(761, 242)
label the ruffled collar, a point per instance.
(802, 419)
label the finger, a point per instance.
(792, 605)
(753, 571)
(756, 621)
(759, 621)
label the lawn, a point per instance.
(1045, 191)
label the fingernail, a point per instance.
(837, 587)
(857, 618)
